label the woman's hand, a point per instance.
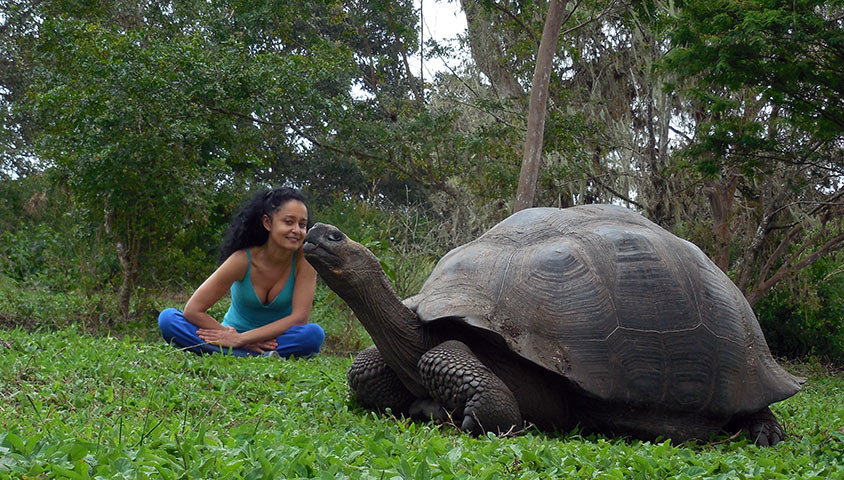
(222, 337)
(228, 337)
(262, 347)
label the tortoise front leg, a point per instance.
(459, 381)
(375, 385)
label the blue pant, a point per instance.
(298, 341)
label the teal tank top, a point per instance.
(247, 312)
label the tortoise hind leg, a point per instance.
(375, 385)
(762, 427)
(456, 379)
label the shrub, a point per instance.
(43, 309)
(806, 318)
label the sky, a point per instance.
(442, 20)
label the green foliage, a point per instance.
(38, 255)
(148, 148)
(41, 309)
(49, 243)
(402, 238)
(124, 408)
(743, 54)
(792, 48)
(149, 112)
(807, 319)
(344, 334)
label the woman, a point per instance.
(272, 287)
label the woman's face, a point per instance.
(288, 225)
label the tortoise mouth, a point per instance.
(318, 255)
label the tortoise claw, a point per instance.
(762, 428)
(471, 425)
(765, 434)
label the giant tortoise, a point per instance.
(590, 316)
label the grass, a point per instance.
(74, 405)
(42, 309)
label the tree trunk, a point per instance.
(721, 195)
(532, 158)
(128, 265)
(127, 254)
(658, 210)
(487, 49)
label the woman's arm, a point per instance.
(303, 299)
(213, 289)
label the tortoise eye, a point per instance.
(334, 236)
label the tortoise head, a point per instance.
(339, 260)
(355, 274)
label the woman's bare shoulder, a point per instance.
(235, 266)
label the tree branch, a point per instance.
(413, 86)
(587, 22)
(516, 19)
(761, 289)
(613, 191)
(793, 263)
(298, 131)
(762, 231)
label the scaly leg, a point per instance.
(463, 385)
(761, 428)
(375, 385)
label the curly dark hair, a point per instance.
(247, 227)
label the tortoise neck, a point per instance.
(394, 328)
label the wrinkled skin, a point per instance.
(501, 335)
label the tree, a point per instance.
(492, 48)
(115, 114)
(538, 103)
(764, 78)
(149, 111)
(17, 17)
(746, 162)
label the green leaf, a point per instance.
(14, 442)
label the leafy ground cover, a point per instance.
(74, 405)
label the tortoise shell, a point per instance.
(622, 308)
